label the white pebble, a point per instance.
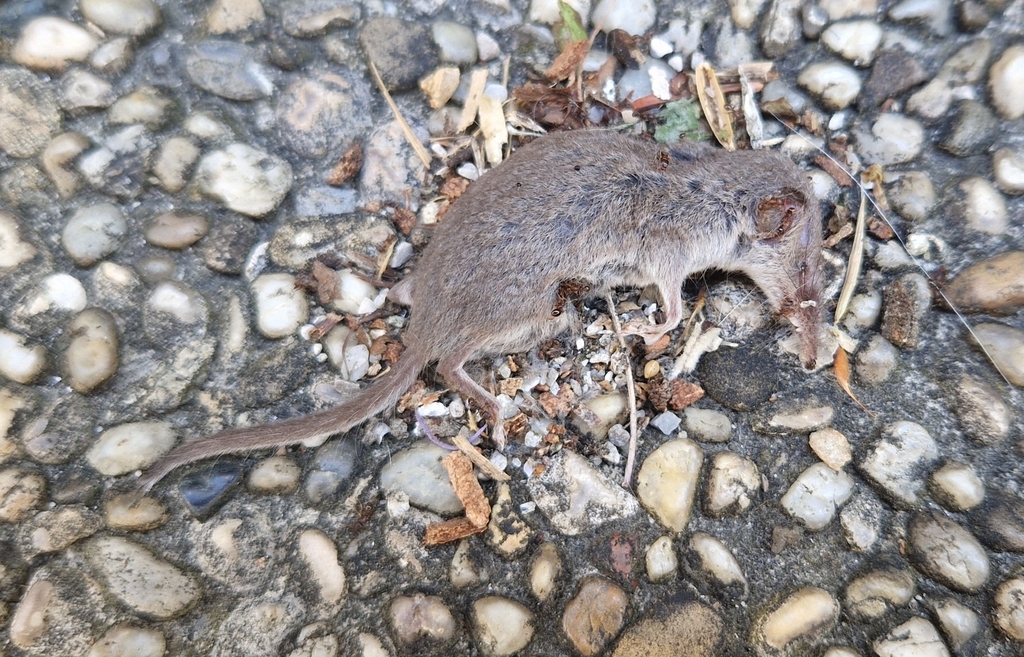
(666, 422)
(717, 560)
(278, 475)
(633, 17)
(831, 447)
(346, 353)
(1008, 167)
(129, 447)
(321, 556)
(661, 559)
(855, 41)
(893, 139)
(21, 362)
(13, 250)
(49, 43)
(546, 11)
(836, 83)
(503, 626)
(356, 296)
(732, 484)
(93, 232)
(245, 179)
(1008, 608)
(984, 206)
(660, 47)
(802, 614)
(92, 354)
(142, 582)
(896, 461)
(280, 307)
(816, 495)
(916, 637)
(180, 301)
(957, 486)
(667, 482)
(132, 17)
(1006, 83)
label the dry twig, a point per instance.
(627, 479)
(421, 152)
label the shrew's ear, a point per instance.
(775, 214)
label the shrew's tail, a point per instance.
(311, 430)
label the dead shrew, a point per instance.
(597, 209)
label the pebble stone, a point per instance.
(311, 18)
(817, 494)
(23, 361)
(803, 613)
(92, 355)
(999, 522)
(994, 285)
(1009, 608)
(957, 487)
(456, 43)
(781, 28)
(907, 302)
(29, 115)
(948, 553)
(53, 530)
(897, 462)
(421, 617)
(707, 425)
(402, 51)
(876, 593)
(714, 560)
(321, 114)
(141, 581)
(984, 207)
(49, 43)
(831, 447)
(682, 629)
(417, 472)
(82, 91)
(575, 497)
(278, 475)
(1008, 167)
(732, 485)
(1006, 83)
(174, 163)
(595, 615)
(125, 639)
(13, 249)
(545, 568)
(145, 105)
(129, 447)
(21, 491)
(667, 482)
(959, 622)
(917, 636)
(937, 16)
(502, 626)
(855, 41)
(321, 556)
(661, 560)
(837, 84)
(634, 18)
(131, 17)
(972, 131)
(244, 179)
(93, 232)
(281, 308)
(1005, 345)
(913, 196)
(230, 16)
(176, 230)
(893, 139)
(126, 512)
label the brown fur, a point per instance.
(600, 209)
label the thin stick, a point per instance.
(627, 479)
(856, 259)
(420, 151)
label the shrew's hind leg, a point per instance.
(673, 300)
(451, 369)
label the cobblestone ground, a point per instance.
(202, 205)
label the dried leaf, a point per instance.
(751, 115)
(856, 259)
(627, 48)
(712, 101)
(347, 167)
(326, 282)
(568, 61)
(454, 187)
(325, 325)
(551, 106)
(404, 220)
(680, 118)
(874, 174)
(841, 366)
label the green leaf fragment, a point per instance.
(681, 118)
(571, 28)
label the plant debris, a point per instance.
(681, 118)
(469, 492)
(347, 167)
(712, 101)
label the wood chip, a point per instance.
(833, 169)
(553, 405)
(410, 137)
(404, 220)
(440, 85)
(347, 167)
(684, 393)
(467, 488)
(841, 366)
(491, 118)
(568, 61)
(477, 82)
(450, 531)
(478, 459)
